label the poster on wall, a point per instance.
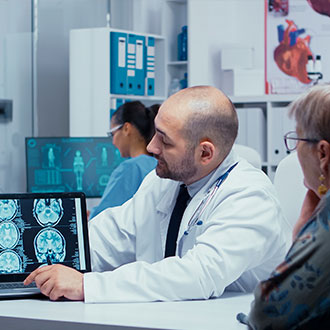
(297, 44)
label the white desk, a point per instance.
(185, 315)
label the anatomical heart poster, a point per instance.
(297, 43)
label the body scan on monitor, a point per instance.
(67, 164)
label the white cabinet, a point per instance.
(263, 126)
(90, 98)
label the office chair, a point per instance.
(289, 183)
(248, 153)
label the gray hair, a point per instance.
(312, 112)
(216, 122)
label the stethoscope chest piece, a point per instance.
(197, 223)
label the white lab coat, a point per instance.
(244, 235)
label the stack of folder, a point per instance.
(132, 64)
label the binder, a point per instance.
(139, 65)
(289, 124)
(280, 124)
(118, 70)
(275, 135)
(131, 59)
(242, 134)
(150, 66)
(252, 129)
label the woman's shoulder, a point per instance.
(315, 234)
(143, 161)
(137, 167)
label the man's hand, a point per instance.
(57, 281)
(310, 202)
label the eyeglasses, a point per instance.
(291, 140)
(113, 130)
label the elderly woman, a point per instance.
(297, 295)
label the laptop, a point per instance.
(37, 229)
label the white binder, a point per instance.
(252, 129)
(279, 125)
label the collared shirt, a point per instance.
(195, 187)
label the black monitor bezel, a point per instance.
(21, 276)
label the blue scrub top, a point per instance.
(124, 182)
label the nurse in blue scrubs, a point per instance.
(132, 127)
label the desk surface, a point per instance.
(44, 314)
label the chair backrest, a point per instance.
(248, 153)
(289, 183)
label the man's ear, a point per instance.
(207, 152)
(323, 152)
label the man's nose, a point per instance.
(152, 146)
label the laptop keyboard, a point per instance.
(16, 285)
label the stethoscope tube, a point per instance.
(195, 218)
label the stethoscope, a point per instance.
(195, 218)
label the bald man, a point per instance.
(231, 234)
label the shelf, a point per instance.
(138, 97)
(263, 98)
(178, 63)
(183, 2)
(110, 29)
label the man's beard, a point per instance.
(179, 171)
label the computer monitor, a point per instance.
(67, 164)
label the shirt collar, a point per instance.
(195, 187)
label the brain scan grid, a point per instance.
(33, 231)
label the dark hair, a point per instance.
(138, 115)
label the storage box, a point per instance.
(238, 82)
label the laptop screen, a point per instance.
(39, 229)
(65, 164)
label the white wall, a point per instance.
(15, 84)
(221, 22)
(137, 15)
(55, 20)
